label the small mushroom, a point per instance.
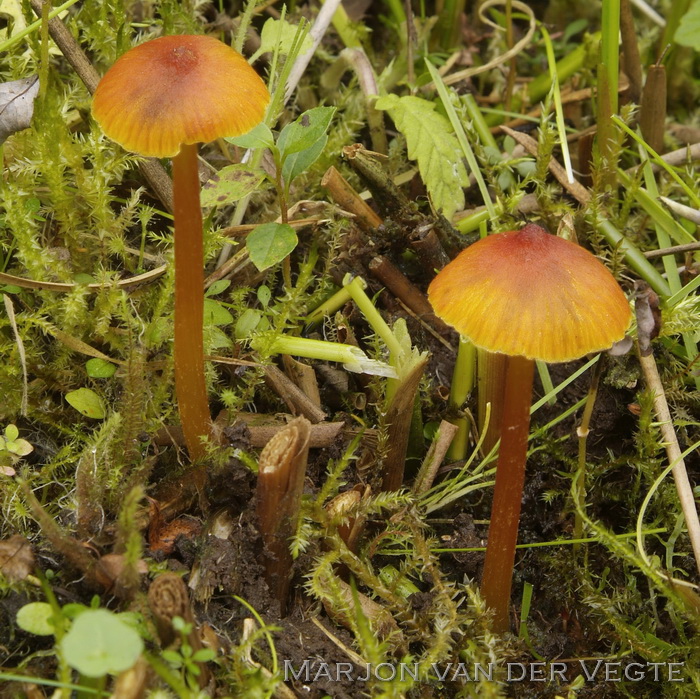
(529, 295)
(160, 99)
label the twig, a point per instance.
(348, 199)
(151, 169)
(399, 285)
(443, 438)
(646, 329)
(297, 401)
(576, 189)
(674, 249)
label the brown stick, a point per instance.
(349, 200)
(399, 285)
(151, 169)
(282, 469)
(297, 401)
(399, 416)
(632, 63)
(652, 112)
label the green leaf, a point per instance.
(230, 184)
(432, 143)
(297, 163)
(217, 287)
(215, 313)
(11, 432)
(264, 295)
(87, 402)
(99, 368)
(305, 131)
(270, 243)
(258, 137)
(19, 447)
(246, 323)
(35, 618)
(278, 30)
(688, 32)
(99, 643)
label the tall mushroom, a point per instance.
(160, 99)
(529, 295)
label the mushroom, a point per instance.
(160, 99)
(529, 295)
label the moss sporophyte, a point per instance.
(161, 99)
(529, 295)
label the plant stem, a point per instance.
(460, 388)
(190, 386)
(582, 433)
(508, 492)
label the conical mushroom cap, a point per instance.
(175, 90)
(531, 294)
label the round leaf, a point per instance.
(87, 402)
(35, 618)
(99, 368)
(99, 643)
(11, 433)
(270, 243)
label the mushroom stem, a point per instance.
(508, 492)
(190, 386)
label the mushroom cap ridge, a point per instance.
(175, 90)
(532, 294)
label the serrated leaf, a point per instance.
(297, 163)
(230, 184)
(278, 30)
(258, 137)
(688, 32)
(305, 131)
(99, 368)
(270, 243)
(432, 143)
(87, 402)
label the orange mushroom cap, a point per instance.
(175, 90)
(531, 294)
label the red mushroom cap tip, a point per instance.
(175, 90)
(532, 294)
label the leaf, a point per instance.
(305, 131)
(230, 184)
(688, 32)
(11, 433)
(35, 618)
(297, 163)
(258, 137)
(215, 313)
(87, 402)
(217, 287)
(100, 643)
(99, 368)
(276, 31)
(270, 243)
(432, 144)
(246, 323)
(17, 105)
